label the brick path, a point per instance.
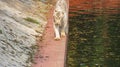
(51, 53)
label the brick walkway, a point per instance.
(51, 53)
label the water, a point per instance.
(94, 33)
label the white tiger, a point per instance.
(60, 16)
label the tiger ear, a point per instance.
(63, 13)
(55, 10)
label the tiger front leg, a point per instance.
(56, 31)
(63, 33)
(64, 30)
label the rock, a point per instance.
(17, 35)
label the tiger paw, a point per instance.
(62, 34)
(57, 38)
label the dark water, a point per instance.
(94, 33)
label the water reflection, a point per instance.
(94, 33)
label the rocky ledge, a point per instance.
(20, 22)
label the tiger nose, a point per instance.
(58, 23)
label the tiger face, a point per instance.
(58, 16)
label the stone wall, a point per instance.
(20, 22)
